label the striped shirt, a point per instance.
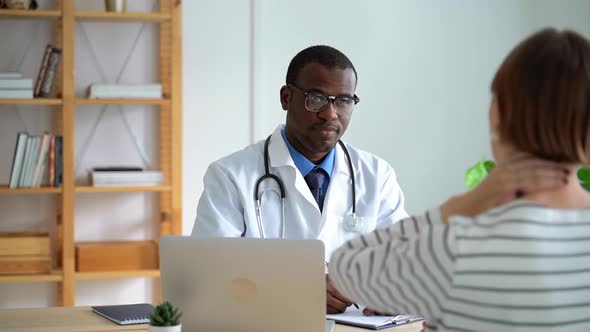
(519, 267)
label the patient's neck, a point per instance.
(571, 196)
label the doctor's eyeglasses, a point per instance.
(317, 101)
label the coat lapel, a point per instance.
(281, 158)
(338, 201)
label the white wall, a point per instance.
(424, 67)
(217, 90)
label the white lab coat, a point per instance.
(228, 196)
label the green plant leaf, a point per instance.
(159, 320)
(165, 314)
(489, 165)
(584, 174)
(477, 173)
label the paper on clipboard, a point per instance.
(355, 317)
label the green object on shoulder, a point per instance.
(478, 172)
(165, 314)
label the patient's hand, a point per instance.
(516, 178)
(335, 302)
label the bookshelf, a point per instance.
(118, 274)
(36, 101)
(43, 190)
(66, 104)
(122, 17)
(90, 189)
(86, 101)
(55, 276)
(30, 14)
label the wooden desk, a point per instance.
(82, 319)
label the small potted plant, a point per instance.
(165, 318)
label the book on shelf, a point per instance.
(126, 178)
(16, 84)
(58, 162)
(31, 159)
(36, 161)
(125, 91)
(49, 79)
(17, 94)
(18, 159)
(42, 70)
(10, 75)
(25, 163)
(47, 72)
(13, 85)
(41, 160)
(117, 169)
(51, 174)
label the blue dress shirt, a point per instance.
(304, 165)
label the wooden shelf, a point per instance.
(55, 275)
(43, 190)
(117, 274)
(167, 40)
(121, 17)
(90, 189)
(85, 101)
(29, 14)
(34, 101)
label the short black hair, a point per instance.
(324, 55)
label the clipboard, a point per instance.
(355, 317)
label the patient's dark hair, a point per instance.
(324, 55)
(543, 94)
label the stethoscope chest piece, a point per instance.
(353, 224)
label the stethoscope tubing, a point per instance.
(269, 176)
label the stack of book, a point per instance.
(13, 85)
(47, 72)
(124, 176)
(125, 91)
(37, 161)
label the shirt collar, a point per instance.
(303, 164)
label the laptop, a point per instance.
(243, 284)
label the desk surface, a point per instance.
(82, 319)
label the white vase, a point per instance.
(176, 328)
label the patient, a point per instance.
(524, 266)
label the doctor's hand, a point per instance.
(518, 177)
(336, 303)
(370, 312)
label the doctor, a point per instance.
(302, 182)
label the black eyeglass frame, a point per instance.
(306, 93)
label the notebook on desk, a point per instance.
(355, 317)
(126, 314)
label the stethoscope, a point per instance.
(351, 223)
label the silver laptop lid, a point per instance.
(249, 285)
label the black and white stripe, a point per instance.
(520, 267)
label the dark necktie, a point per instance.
(315, 181)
